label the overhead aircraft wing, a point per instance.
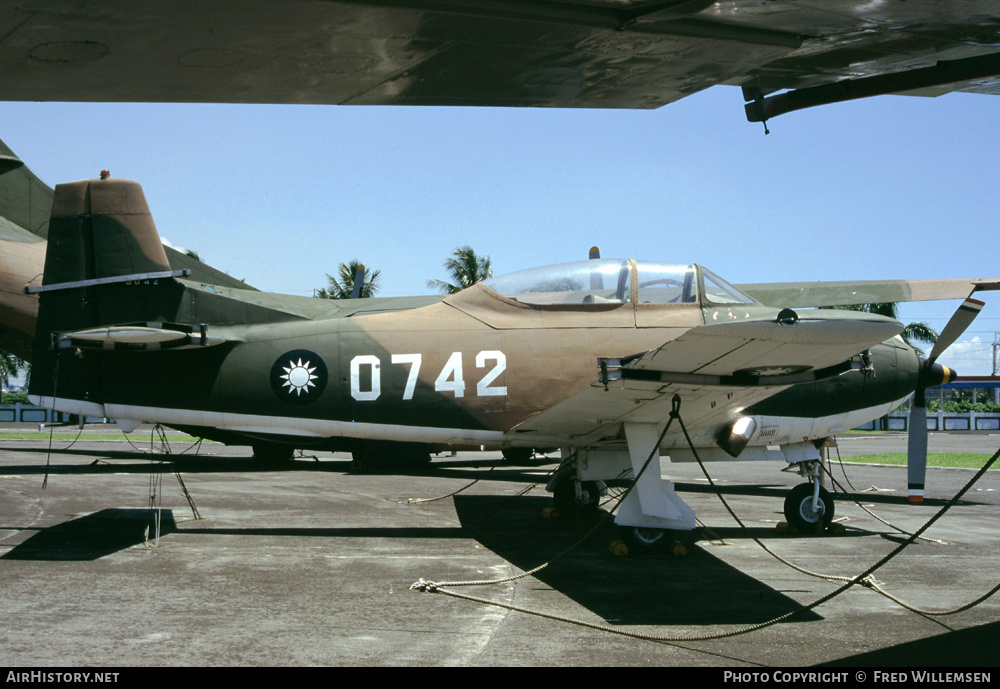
(718, 370)
(845, 293)
(565, 53)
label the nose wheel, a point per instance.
(570, 500)
(805, 513)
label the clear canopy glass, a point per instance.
(610, 281)
(601, 281)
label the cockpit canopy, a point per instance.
(618, 281)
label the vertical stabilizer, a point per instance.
(104, 263)
(101, 228)
(104, 268)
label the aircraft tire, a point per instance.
(642, 538)
(799, 510)
(272, 453)
(377, 456)
(566, 500)
(518, 456)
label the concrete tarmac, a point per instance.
(312, 563)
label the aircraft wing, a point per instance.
(565, 53)
(718, 370)
(808, 294)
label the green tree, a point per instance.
(341, 286)
(919, 331)
(10, 365)
(465, 269)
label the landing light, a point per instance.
(736, 435)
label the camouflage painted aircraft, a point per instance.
(559, 53)
(589, 357)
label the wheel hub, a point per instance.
(809, 513)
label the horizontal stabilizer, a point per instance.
(138, 337)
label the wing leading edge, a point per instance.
(846, 293)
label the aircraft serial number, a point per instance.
(450, 379)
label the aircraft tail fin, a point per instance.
(104, 265)
(108, 290)
(101, 230)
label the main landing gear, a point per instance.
(518, 456)
(579, 498)
(639, 539)
(373, 456)
(651, 513)
(272, 454)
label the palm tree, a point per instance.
(465, 269)
(342, 286)
(919, 331)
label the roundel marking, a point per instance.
(298, 376)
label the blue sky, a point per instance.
(891, 187)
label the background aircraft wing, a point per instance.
(566, 53)
(718, 370)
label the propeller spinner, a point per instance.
(931, 374)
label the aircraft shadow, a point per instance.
(138, 463)
(492, 470)
(93, 536)
(652, 588)
(974, 647)
(779, 493)
(125, 461)
(108, 531)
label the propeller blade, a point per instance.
(961, 320)
(931, 374)
(916, 453)
(595, 252)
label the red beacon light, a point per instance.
(105, 174)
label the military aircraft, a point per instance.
(561, 53)
(590, 357)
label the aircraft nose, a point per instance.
(937, 374)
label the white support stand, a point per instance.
(652, 502)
